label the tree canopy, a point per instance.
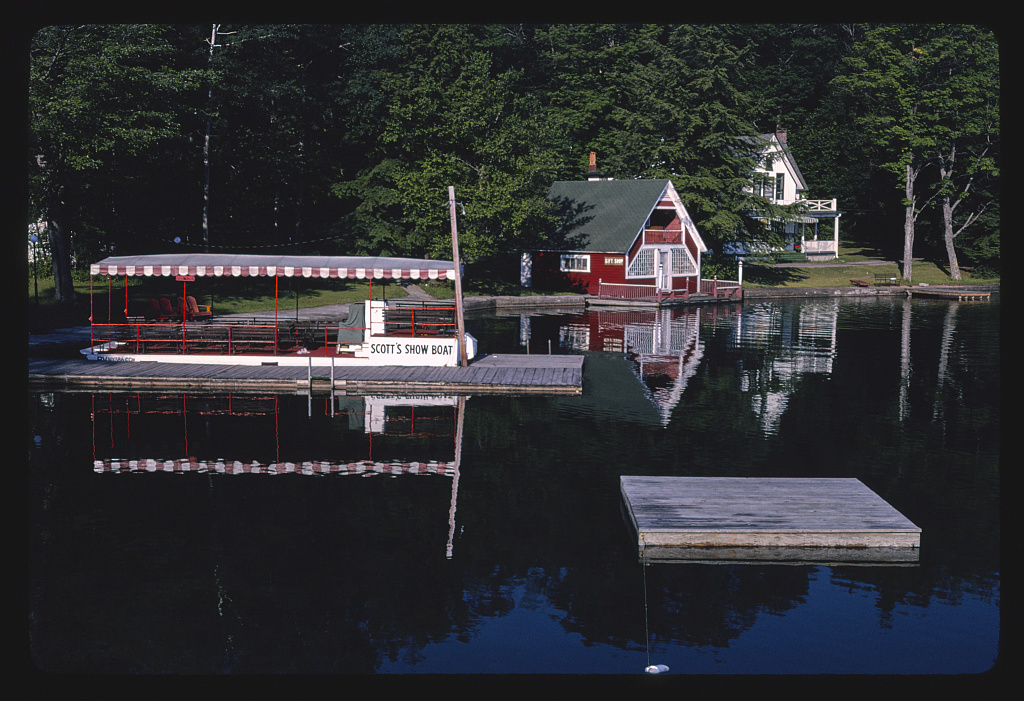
(345, 138)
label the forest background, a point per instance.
(343, 139)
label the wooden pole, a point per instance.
(458, 279)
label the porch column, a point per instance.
(836, 233)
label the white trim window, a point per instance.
(642, 264)
(682, 263)
(575, 263)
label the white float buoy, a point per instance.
(656, 669)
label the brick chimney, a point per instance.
(592, 172)
(780, 134)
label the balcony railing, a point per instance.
(820, 205)
(658, 235)
(820, 246)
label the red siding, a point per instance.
(548, 276)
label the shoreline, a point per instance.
(508, 302)
(483, 304)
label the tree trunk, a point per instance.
(947, 218)
(908, 226)
(206, 145)
(60, 250)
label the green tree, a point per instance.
(455, 117)
(101, 97)
(919, 92)
(966, 105)
(275, 145)
(659, 101)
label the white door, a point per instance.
(665, 270)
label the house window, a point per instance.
(575, 263)
(780, 186)
(682, 263)
(643, 264)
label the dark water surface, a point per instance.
(201, 534)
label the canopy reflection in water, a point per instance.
(401, 417)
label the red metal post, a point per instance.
(92, 341)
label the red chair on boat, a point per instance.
(196, 311)
(166, 310)
(153, 310)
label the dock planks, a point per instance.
(765, 519)
(946, 293)
(489, 374)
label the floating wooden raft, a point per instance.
(753, 519)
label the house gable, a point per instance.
(777, 160)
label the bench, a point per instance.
(860, 283)
(886, 280)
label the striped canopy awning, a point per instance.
(229, 265)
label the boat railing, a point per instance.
(420, 318)
(259, 337)
(246, 338)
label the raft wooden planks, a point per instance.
(677, 517)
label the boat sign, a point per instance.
(417, 351)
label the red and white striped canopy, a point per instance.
(315, 467)
(230, 265)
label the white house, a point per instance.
(778, 178)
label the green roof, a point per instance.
(603, 215)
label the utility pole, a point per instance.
(458, 278)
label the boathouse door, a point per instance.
(664, 270)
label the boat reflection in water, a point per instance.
(140, 433)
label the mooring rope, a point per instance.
(647, 630)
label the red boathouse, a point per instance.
(619, 238)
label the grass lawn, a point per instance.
(755, 277)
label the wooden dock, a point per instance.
(488, 374)
(948, 293)
(752, 519)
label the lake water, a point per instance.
(198, 534)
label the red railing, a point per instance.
(206, 338)
(618, 290)
(654, 235)
(420, 320)
(646, 293)
(651, 293)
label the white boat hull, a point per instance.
(383, 351)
